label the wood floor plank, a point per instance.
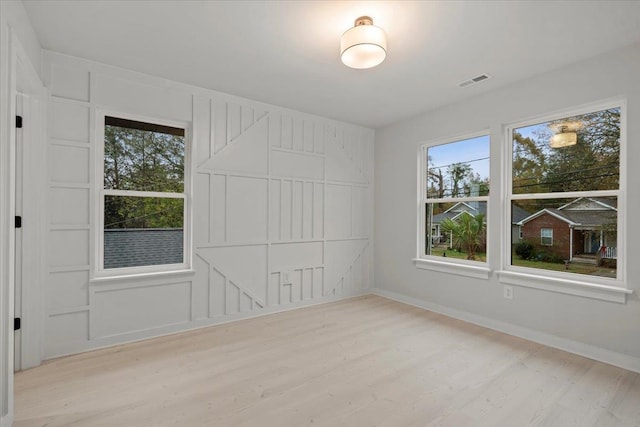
(366, 361)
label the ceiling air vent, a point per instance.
(474, 80)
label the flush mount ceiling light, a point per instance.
(565, 137)
(364, 45)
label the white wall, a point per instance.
(601, 329)
(15, 29)
(274, 190)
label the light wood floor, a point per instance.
(367, 361)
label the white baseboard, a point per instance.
(130, 337)
(6, 421)
(596, 353)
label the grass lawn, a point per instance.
(574, 267)
(480, 256)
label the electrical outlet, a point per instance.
(286, 277)
(508, 292)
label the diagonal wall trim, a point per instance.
(245, 291)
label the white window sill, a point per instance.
(451, 267)
(141, 276)
(566, 286)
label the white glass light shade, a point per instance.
(563, 139)
(363, 46)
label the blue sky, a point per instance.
(468, 150)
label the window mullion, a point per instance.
(155, 194)
(565, 195)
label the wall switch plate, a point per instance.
(508, 292)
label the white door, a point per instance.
(17, 365)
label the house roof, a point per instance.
(460, 207)
(517, 213)
(127, 247)
(590, 218)
(591, 203)
(583, 211)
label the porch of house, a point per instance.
(590, 245)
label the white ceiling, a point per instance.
(286, 52)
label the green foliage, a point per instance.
(458, 173)
(141, 160)
(143, 212)
(524, 250)
(591, 164)
(468, 232)
(544, 256)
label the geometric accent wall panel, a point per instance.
(246, 209)
(245, 266)
(282, 209)
(69, 164)
(297, 133)
(344, 265)
(296, 210)
(69, 122)
(70, 83)
(202, 208)
(120, 311)
(247, 152)
(286, 256)
(346, 156)
(67, 289)
(338, 211)
(297, 165)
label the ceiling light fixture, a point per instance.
(564, 138)
(364, 45)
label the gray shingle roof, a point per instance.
(127, 247)
(517, 213)
(588, 217)
(584, 212)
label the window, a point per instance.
(454, 200)
(565, 193)
(143, 198)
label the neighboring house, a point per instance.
(586, 225)
(473, 209)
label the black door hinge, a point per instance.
(19, 122)
(18, 222)
(16, 323)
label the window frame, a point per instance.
(99, 272)
(610, 289)
(542, 236)
(476, 269)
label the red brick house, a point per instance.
(585, 226)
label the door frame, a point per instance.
(34, 218)
(21, 78)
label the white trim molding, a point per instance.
(480, 271)
(566, 286)
(592, 352)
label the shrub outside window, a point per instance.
(143, 201)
